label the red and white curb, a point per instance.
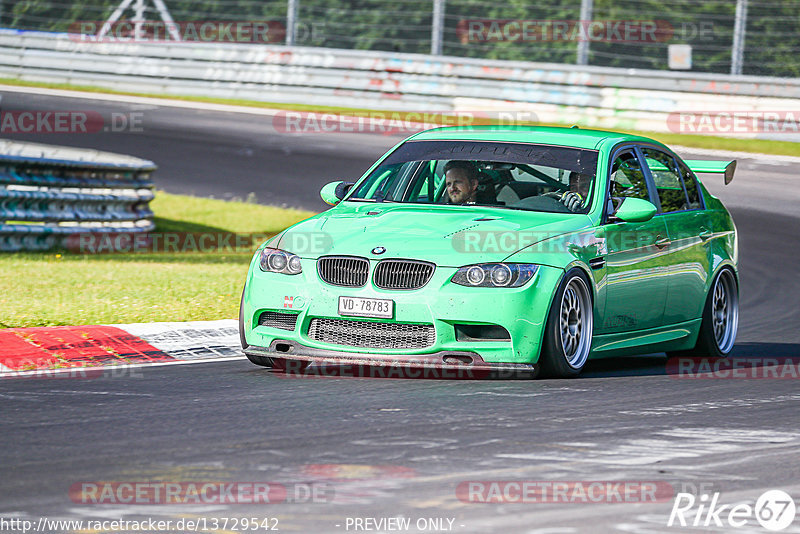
(32, 352)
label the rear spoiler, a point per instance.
(717, 167)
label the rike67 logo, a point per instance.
(774, 510)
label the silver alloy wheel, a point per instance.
(576, 322)
(725, 311)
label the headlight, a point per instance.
(279, 261)
(495, 274)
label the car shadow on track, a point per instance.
(758, 360)
(639, 365)
(748, 360)
(750, 349)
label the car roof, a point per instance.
(548, 135)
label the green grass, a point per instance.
(786, 148)
(61, 288)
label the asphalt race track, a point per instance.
(388, 448)
(216, 154)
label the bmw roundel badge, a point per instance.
(379, 250)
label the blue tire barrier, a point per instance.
(44, 200)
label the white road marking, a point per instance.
(710, 405)
(193, 340)
(84, 392)
(46, 373)
(499, 394)
(665, 445)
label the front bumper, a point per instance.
(443, 364)
(521, 311)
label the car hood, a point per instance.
(446, 235)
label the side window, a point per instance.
(667, 179)
(425, 190)
(627, 178)
(388, 182)
(692, 189)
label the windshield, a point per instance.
(504, 175)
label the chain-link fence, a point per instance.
(618, 33)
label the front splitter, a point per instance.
(448, 364)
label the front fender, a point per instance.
(579, 250)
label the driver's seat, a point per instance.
(513, 192)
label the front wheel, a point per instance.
(568, 332)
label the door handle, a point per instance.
(662, 242)
(705, 234)
(597, 263)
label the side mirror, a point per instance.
(635, 210)
(333, 192)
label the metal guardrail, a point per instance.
(50, 194)
(593, 96)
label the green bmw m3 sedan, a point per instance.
(502, 248)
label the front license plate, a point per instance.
(361, 307)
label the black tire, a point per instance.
(564, 356)
(716, 340)
(263, 361)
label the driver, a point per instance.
(461, 180)
(579, 184)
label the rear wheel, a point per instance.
(568, 332)
(720, 319)
(258, 360)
